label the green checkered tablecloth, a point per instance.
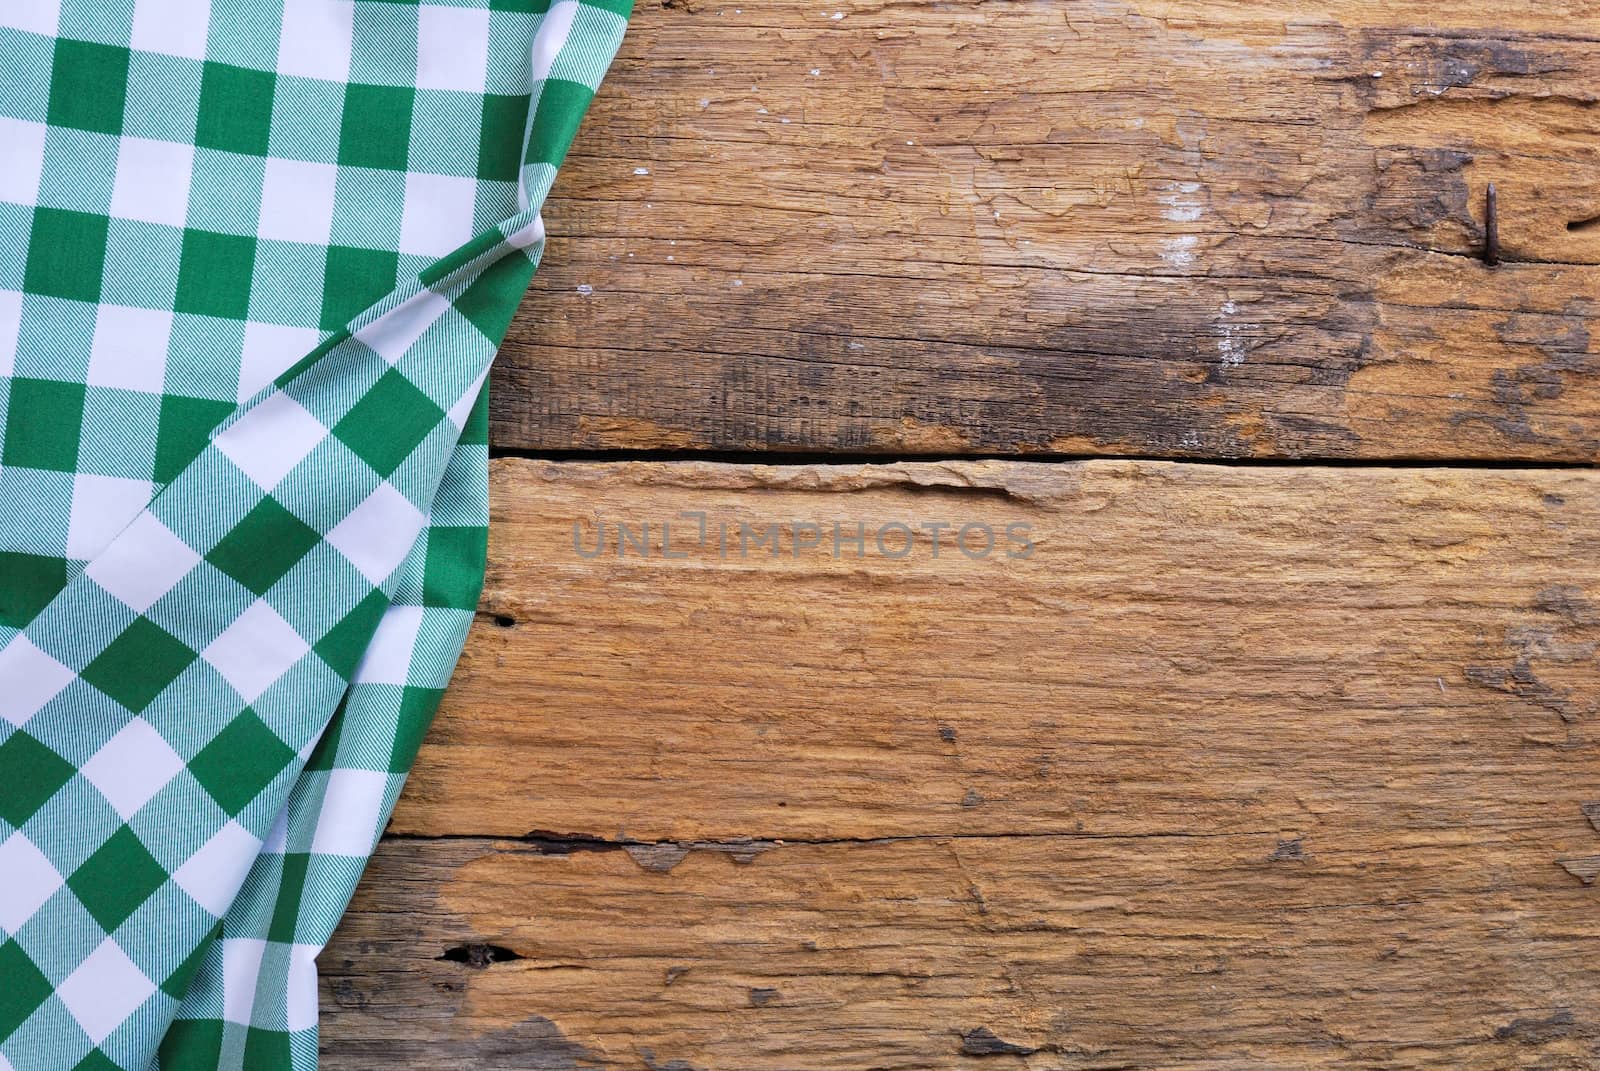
(255, 260)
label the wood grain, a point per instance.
(1141, 227)
(1240, 767)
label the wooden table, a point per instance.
(1263, 735)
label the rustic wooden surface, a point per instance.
(1150, 227)
(1242, 767)
(1246, 766)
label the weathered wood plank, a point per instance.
(1125, 226)
(1458, 950)
(1188, 649)
(1240, 767)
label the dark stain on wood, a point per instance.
(546, 842)
(478, 956)
(1538, 1031)
(1288, 851)
(1225, 233)
(981, 1041)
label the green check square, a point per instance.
(560, 109)
(214, 274)
(375, 128)
(192, 1045)
(44, 425)
(263, 546)
(182, 429)
(96, 1061)
(452, 573)
(417, 707)
(391, 418)
(116, 879)
(240, 761)
(235, 109)
(24, 990)
(27, 583)
(266, 1050)
(342, 646)
(137, 665)
(285, 925)
(30, 774)
(66, 254)
(88, 86)
(500, 147)
(491, 300)
(353, 281)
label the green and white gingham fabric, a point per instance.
(255, 259)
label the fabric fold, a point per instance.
(210, 694)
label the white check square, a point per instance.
(152, 183)
(297, 201)
(271, 439)
(102, 506)
(438, 214)
(30, 880)
(277, 841)
(396, 331)
(35, 16)
(302, 1009)
(315, 40)
(241, 967)
(172, 27)
(106, 988)
(131, 767)
(129, 350)
(552, 37)
(452, 48)
(388, 657)
(10, 328)
(255, 650)
(348, 821)
(212, 875)
(529, 235)
(29, 679)
(143, 563)
(269, 351)
(22, 162)
(377, 535)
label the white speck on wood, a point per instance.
(1230, 347)
(1182, 205)
(1179, 252)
